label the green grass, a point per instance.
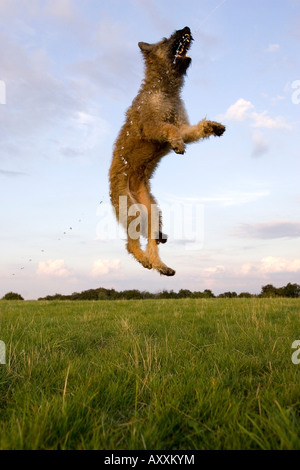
(159, 375)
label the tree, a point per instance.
(184, 294)
(269, 291)
(12, 296)
(291, 290)
(228, 295)
(208, 294)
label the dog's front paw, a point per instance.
(178, 146)
(218, 129)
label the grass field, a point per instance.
(157, 374)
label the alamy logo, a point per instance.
(2, 92)
(296, 354)
(2, 353)
(296, 94)
(185, 222)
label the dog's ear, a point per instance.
(145, 47)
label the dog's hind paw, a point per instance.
(165, 270)
(146, 264)
(168, 272)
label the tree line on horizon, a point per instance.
(290, 290)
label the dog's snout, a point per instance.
(186, 30)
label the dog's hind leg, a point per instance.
(154, 231)
(156, 262)
(134, 248)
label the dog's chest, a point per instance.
(162, 106)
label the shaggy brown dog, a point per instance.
(155, 123)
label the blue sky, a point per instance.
(71, 69)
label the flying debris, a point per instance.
(44, 251)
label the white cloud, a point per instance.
(270, 230)
(11, 174)
(214, 270)
(61, 9)
(53, 268)
(264, 121)
(240, 198)
(239, 111)
(277, 99)
(64, 10)
(230, 198)
(264, 268)
(273, 48)
(32, 90)
(151, 10)
(10, 8)
(271, 265)
(243, 110)
(260, 145)
(84, 132)
(246, 268)
(219, 277)
(101, 267)
(108, 60)
(279, 265)
(62, 109)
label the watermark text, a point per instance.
(2, 92)
(184, 222)
(2, 353)
(296, 354)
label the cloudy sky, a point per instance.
(69, 69)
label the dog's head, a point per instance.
(171, 53)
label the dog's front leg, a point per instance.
(164, 133)
(202, 130)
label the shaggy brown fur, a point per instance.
(155, 123)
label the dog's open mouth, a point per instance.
(183, 46)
